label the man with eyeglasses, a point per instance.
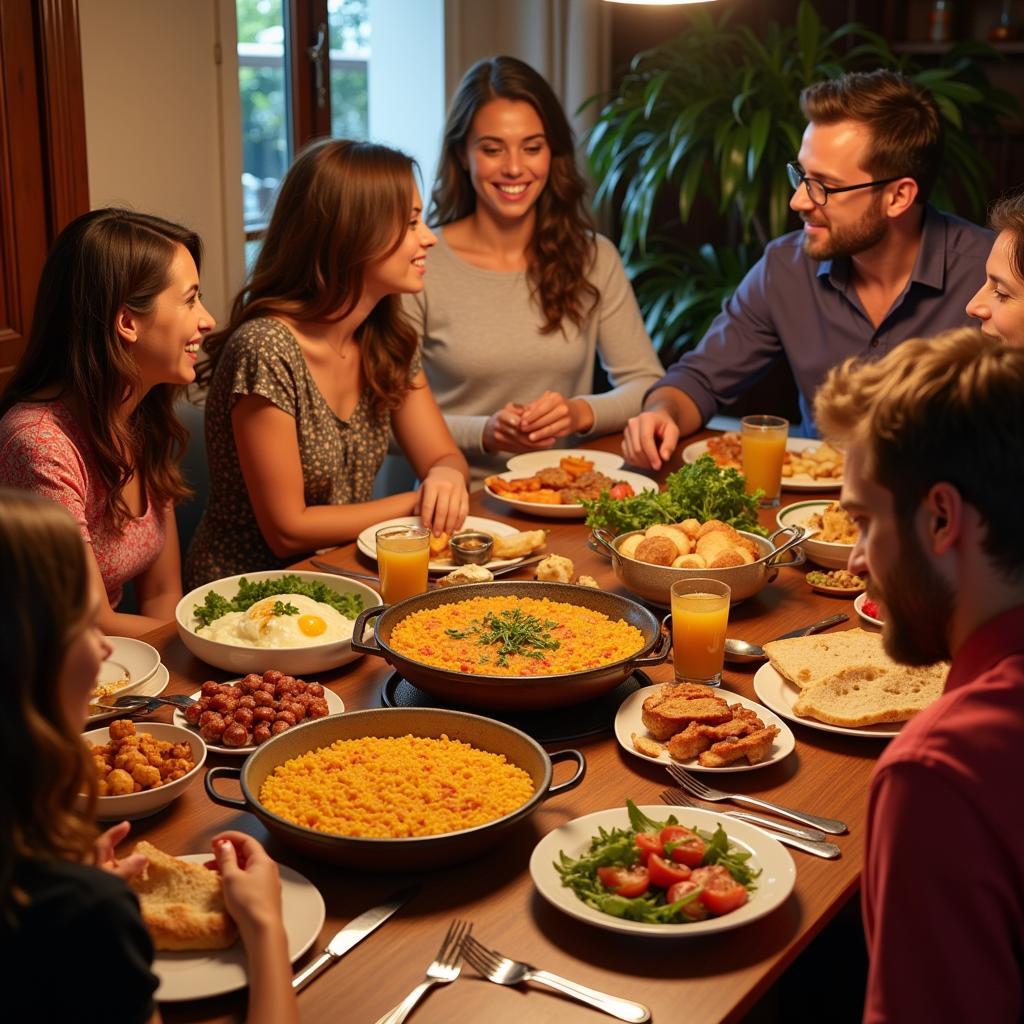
(873, 264)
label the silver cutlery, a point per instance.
(696, 788)
(178, 700)
(444, 968)
(504, 971)
(353, 933)
(794, 837)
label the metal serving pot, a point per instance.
(654, 582)
(515, 692)
(395, 854)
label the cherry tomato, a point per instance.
(690, 848)
(721, 892)
(694, 910)
(665, 873)
(627, 882)
(621, 491)
(648, 843)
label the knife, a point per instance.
(353, 933)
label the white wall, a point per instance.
(157, 103)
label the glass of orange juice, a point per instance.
(403, 554)
(763, 440)
(700, 615)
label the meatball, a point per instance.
(272, 676)
(250, 683)
(314, 689)
(264, 699)
(213, 729)
(236, 735)
(285, 716)
(318, 708)
(210, 688)
(261, 733)
(264, 715)
(243, 717)
(248, 701)
(192, 713)
(279, 727)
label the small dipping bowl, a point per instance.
(471, 548)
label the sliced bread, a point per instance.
(806, 660)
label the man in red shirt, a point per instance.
(934, 479)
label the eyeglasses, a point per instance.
(819, 192)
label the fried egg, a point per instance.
(284, 620)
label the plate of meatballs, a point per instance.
(237, 716)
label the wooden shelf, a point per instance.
(1013, 47)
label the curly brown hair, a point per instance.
(104, 261)
(562, 250)
(45, 764)
(342, 206)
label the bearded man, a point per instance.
(873, 265)
(933, 478)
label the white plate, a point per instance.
(829, 554)
(798, 482)
(131, 658)
(528, 463)
(367, 540)
(780, 695)
(152, 687)
(635, 480)
(212, 972)
(774, 884)
(628, 720)
(335, 706)
(858, 604)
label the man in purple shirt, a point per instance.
(933, 477)
(873, 265)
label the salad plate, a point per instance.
(635, 480)
(628, 720)
(774, 884)
(798, 482)
(196, 974)
(366, 542)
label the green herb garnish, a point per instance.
(513, 633)
(700, 491)
(214, 605)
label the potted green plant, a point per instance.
(713, 116)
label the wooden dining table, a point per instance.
(706, 978)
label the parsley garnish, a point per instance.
(214, 606)
(513, 633)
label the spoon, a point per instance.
(743, 652)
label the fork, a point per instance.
(696, 788)
(444, 968)
(495, 967)
(794, 837)
(178, 700)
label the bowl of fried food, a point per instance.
(647, 562)
(834, 532)
(141, 771)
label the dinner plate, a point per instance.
(129, 658)
(197, 974)
(335, 706)
(152, 687)
(780, 695)
(858, 604)
(774, 884)
(635, 480)
(529, 462)
(367, 540)
(798, 482)
(628, 720)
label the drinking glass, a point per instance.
(403, 554)
(763, 439)
(700, 615)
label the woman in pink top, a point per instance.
(87, 419)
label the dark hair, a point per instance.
(905, 125)
(101, 262)
(949, 408)
(45, 764)
(341, 206)
(562, 250)
(1007, 214)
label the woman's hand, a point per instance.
(442, 500)
(536, 426)
(252, 885)
(104, 846)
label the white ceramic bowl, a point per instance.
(831, 556)
(298, 661)
(149, 801)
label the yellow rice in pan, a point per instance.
(395, 787)
(586, 638)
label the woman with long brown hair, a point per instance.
(88, 417)
(523, 296)
(61, 886)
(317, 366)
(999, 302)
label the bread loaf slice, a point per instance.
(182, 903)
(870, 694)
(806, 660)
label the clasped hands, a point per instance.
(538, 424)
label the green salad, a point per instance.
(214, 605)
(659, 872)
(699, 491)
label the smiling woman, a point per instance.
(999, 302)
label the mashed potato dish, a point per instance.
(283, 620)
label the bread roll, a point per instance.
(628, 547)
(657, 551)
(682, 542)
(689, 562)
